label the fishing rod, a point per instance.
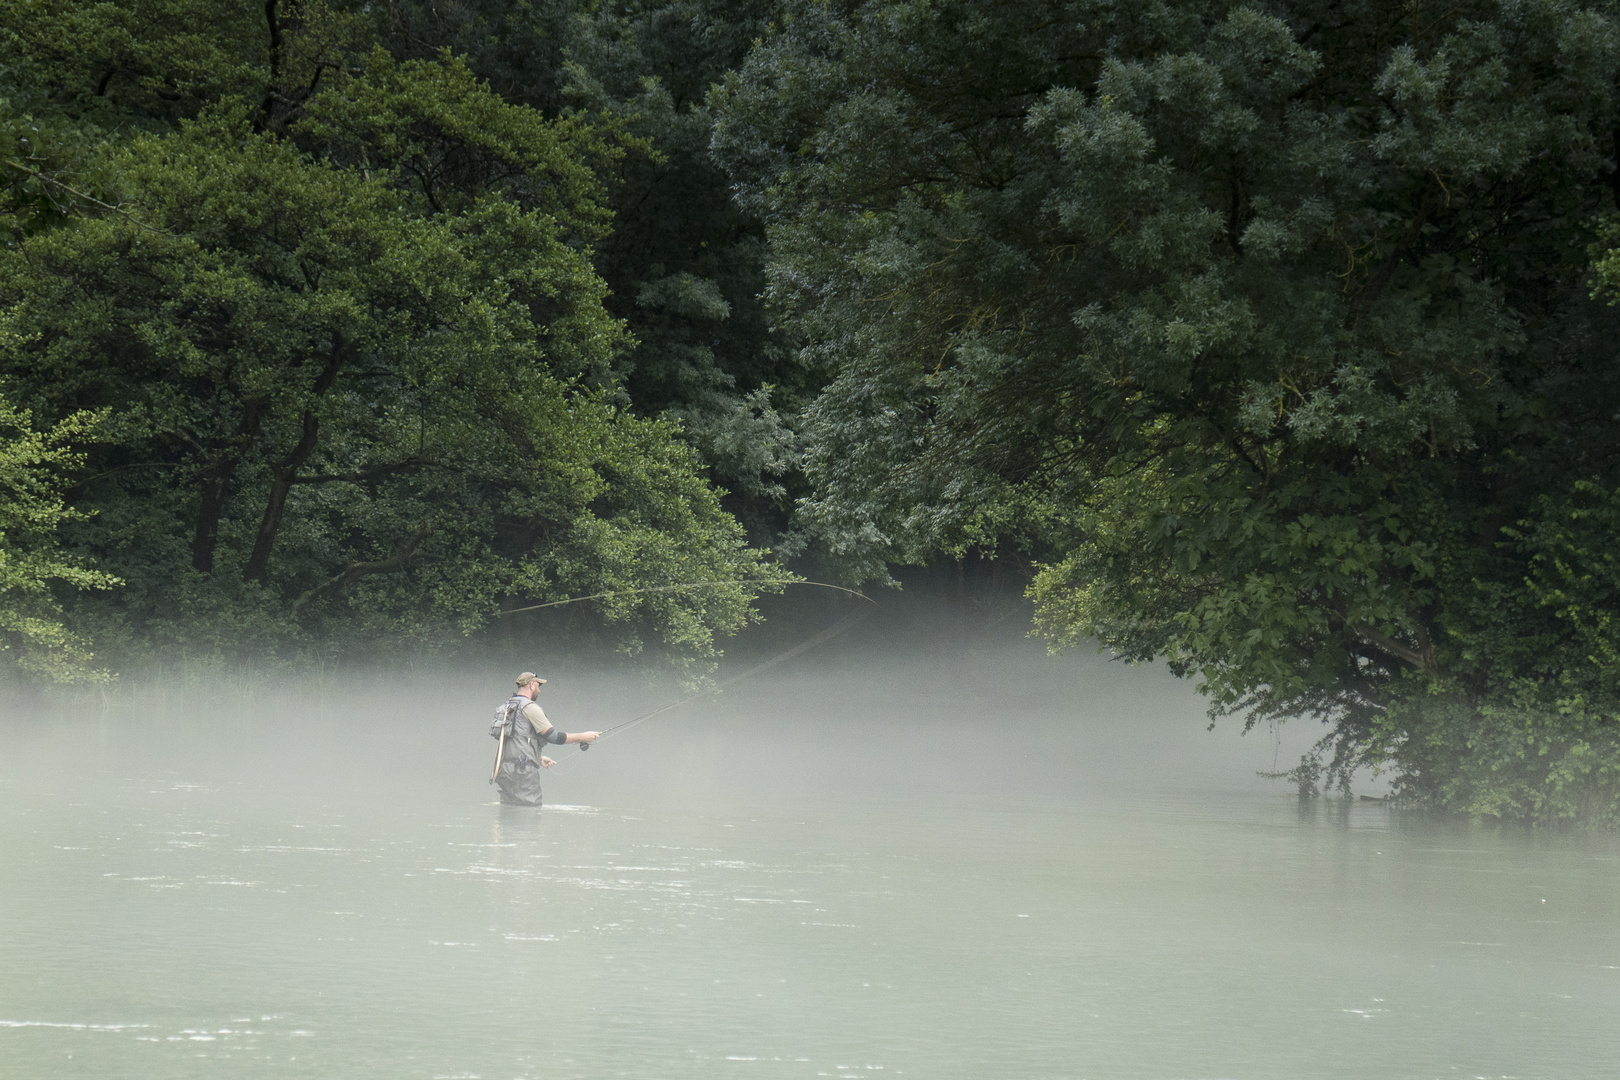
(781, 658)
(678, 588)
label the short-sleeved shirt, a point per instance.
(536, 716)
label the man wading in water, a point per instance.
(521, 726)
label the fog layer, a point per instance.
(936, 853)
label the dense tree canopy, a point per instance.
(338, 316)
(1269, 325)
(683, 262)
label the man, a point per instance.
(521, 726)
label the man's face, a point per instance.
(533, 689)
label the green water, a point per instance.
(980, 865)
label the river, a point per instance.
(949, 860)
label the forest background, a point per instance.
(1275, 340)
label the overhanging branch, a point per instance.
(1421, 660)
(362, 570)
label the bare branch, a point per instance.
(46, 178)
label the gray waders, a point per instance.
(517, 760)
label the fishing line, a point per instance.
(803, 647)
(678, 588)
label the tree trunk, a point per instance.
(285, 472)
(281, 482)
(283, 103)
(217, 488)
(206, 537)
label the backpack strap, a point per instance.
(514, 709)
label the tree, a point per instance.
(1266, 326)
(357, 372)
(32, 633)
(684, 264)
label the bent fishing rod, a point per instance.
(678, 588)
(781, 658)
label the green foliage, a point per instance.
(1266, 327)
(32, 466)
(343, 328)
(684, 264)
(144, 61)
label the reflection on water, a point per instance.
(968, 865)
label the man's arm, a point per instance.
(537, 717)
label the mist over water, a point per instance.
(924, 849)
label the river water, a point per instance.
(951, 861)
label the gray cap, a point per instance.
(528, 677)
